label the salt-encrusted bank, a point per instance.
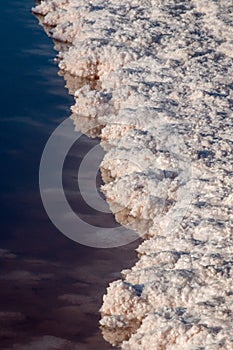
(155, 81)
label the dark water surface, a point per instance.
(50, 287)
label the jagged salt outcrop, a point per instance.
(155, 80)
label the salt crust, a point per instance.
(156, 84)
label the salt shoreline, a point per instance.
(156, 85)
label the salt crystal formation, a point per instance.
(155, 80)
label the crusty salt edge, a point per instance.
(152, 70)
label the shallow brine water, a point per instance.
(51, 287)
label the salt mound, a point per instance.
(155, 82)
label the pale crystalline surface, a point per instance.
(155, 80)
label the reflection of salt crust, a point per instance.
(157, 79)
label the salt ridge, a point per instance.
(155, 82)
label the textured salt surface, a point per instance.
(156, 83)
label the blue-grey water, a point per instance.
(51, 287)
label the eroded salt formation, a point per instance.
(155, 80)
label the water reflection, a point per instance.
(51, 287)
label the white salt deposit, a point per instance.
(156, 82)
